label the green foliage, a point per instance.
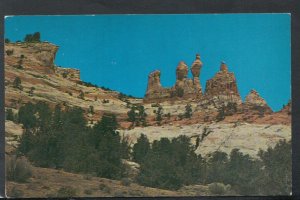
(277, 171)
(188, 111)
(170, 164)
(17, 83)
(62, 140)
(18, 169)
(30, 93)
(81, 95)
(10, 115)
(140, 148)
(226, 110)
(88, 192)
(124, 97)
(125, 147)
(91, 110)
(15, 192)
(87, 84)
(179, 92)
(7, 40)
(218, 188)
(159, 114)
(105, 88)
(9, 52)
(36, 37)
(65, 74)
(105, 101)
(66, 191)
(137, 115)
(125, 181)
(221, 114)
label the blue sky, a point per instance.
(119, 51)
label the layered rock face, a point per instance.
(223, 86)
(287, 108)
(184, 88)
(154, 89)
(254, 102)
(37, 56)
(69, 73)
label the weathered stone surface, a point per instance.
(184, 88)
(223, 87)
(69, 73)
(39, 56)
(254, 102)
(253, 98)
(287, 109)
(196, 66)
(155, 91)
(181, 71)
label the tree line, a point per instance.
(61, 139)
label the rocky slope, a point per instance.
(42, 80)
(249, 138)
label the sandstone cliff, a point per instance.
(254, 102)
(42, 80)
(223, 86)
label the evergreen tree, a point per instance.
(159, 114)
(17, 83)
(188, 111)
(36, 37)
(10, 115)
(140, 148)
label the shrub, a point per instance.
(218, 188)
(125, 181)
(10, 115)
(7, 40)
(81, 95)
(16, 193)
(91, 110)
(159, 114)
(179, 92)
(105, 101)
(104, 188)
(66, 191)
(17, 83)
(18, 169)
(65, 74)
(120, 193)
(88, 192)
(19, 67)
(188, 111)
(31, 91)
(9, 52)
(33, 37)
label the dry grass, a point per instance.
(56, 183)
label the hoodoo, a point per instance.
(223, 86)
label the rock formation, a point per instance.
(254, 102)
(39, 56)
(154, 89)
(196, 67)
(184, 88)
(287, 109)
(223, 86)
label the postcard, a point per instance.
(143, 105)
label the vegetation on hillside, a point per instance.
(35, 37)
(62, 140)
(170, 164)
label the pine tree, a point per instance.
(188, 111)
